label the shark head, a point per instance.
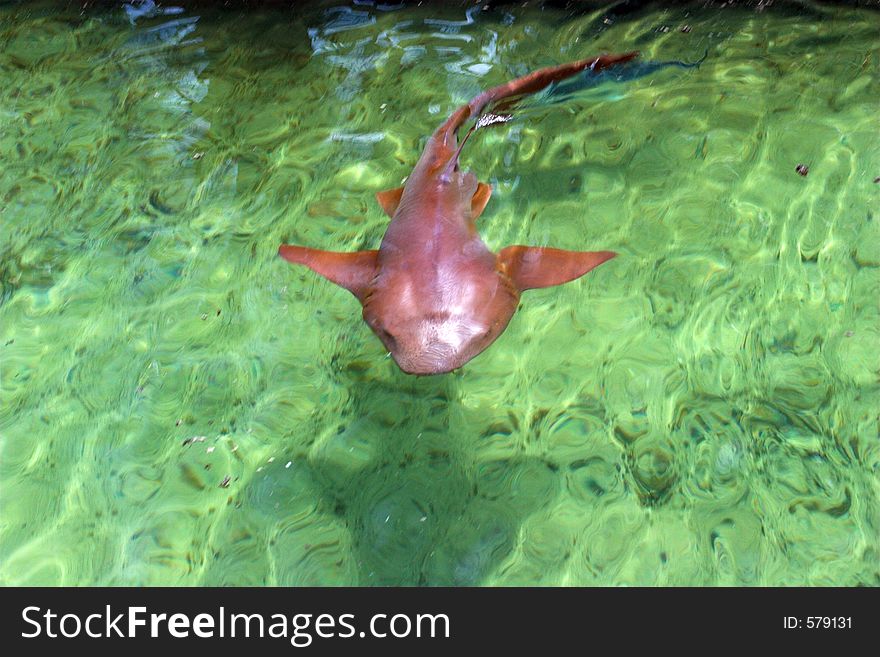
(435, 318)
(425, 336)
(438, 343)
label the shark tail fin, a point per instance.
(528, 84)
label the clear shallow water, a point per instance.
(700, 411)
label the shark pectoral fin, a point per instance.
(389, 200)
(479, 199)
(532, 267)
(353, 271)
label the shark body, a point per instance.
(432, 292)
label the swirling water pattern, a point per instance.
(179, 406)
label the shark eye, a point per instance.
(387, 338)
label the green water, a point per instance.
(700, 411)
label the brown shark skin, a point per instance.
(433, 292)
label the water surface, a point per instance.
(180, 406)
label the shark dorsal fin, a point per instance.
(353, 271)
(389, 200)
(531, 267)
(479, 199)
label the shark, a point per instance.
(433, 292)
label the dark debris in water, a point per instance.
(157, 203)
(802, 169)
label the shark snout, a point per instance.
(438, 347)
